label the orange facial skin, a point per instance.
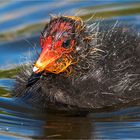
(57, 45)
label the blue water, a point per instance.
(20, 25)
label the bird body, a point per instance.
(82, 67)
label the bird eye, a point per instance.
(66, 44)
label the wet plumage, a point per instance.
(102, 69)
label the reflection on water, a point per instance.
(19, 120)
(20, 26)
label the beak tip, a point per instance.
(35, 69)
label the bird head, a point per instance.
(58, 43)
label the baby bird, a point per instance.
(82, 67)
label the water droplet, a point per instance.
(22, 123)
(7, 129)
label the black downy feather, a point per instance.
(107, 73)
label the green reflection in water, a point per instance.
(10, 73)
(108, 14)
(99, 12)
(4, 92)
(26, 31)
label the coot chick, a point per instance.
(82, 67)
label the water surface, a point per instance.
(20, 25)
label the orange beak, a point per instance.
(46, 59)
(48, 55)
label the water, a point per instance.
(20, 25)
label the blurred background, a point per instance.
(21, 22)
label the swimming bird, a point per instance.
(82, 66)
